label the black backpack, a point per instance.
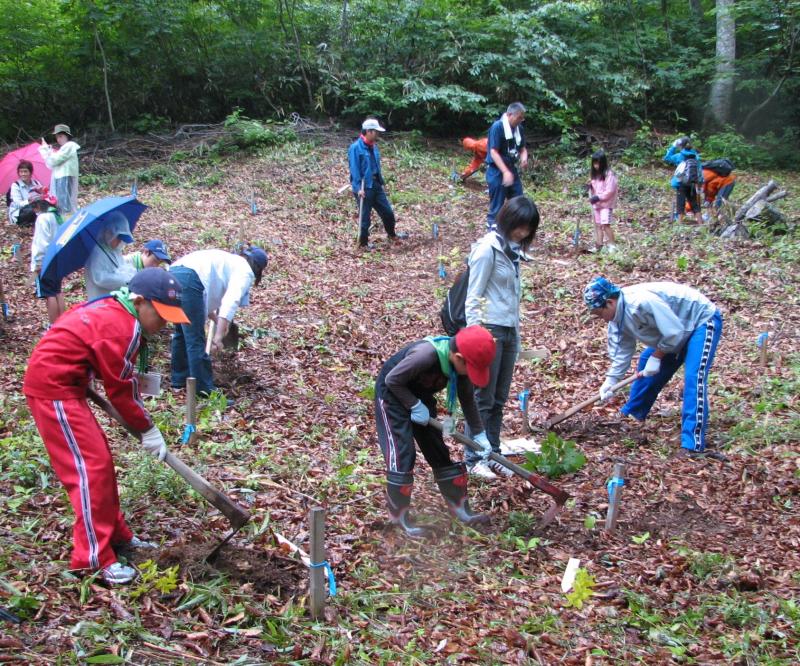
(688, 171)
(721, 167)
(453, 313)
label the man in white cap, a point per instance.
(367, 183)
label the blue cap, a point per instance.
(162, 289)
(258, 255)
(157, 248)
(598, 291)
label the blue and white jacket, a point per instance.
(675, 157)
(662, 315)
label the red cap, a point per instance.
(477, 347)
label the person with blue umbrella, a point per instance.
(106, 267)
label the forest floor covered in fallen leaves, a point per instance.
(702, 568)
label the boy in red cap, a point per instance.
(405, 401)
(99, 339)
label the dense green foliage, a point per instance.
(418, 63)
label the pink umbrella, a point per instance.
(8, 166)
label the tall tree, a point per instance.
(721, 94)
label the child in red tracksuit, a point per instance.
(99, 339)
(404, 402)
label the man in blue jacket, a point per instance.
(680, 326)
(506, 149)
(367, 182)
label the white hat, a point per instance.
(372, 124)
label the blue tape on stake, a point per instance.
(762, 339)
(435, 231)
(329, 571)
(614, 483)
(187, 433)
(253, 207)
(442, 271)
(523, 400)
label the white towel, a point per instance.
(509, 132)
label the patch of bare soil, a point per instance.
(264, 570)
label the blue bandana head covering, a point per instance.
(598, 291)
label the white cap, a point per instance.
(372, 124)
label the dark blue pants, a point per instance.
(375, 197)
(189, 358)
(498, 193)
(723, 194)
(698, 356)
(491, 400)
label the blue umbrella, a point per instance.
(77, 237)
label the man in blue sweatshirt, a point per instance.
(680, 326)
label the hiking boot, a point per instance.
(482, 471)
(500, 470)
(366, 247)
(452, 482)
(118, 574)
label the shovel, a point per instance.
(559, 496)
(590, 401)
(236, 515)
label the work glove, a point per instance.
(652, 367)
(594, 199)
(153, 442)
(420, 413)
(606, 392)
(483, 441)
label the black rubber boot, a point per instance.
(452, 483)
(398, 497)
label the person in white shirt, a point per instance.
(215, 285)
(44, 232)
(25, 190)
(63, 162)
(106, 268)
(680, 326)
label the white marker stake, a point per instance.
(569, 575)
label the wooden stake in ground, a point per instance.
(763, 342)
(615, 495)
(190, 429)
(317, 593)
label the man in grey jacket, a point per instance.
(680, 326)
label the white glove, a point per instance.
(483, 441)
(606, 392)
(153, 442)
(420, 413)
(652, 367)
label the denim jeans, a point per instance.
(698, 356)
(189, 358)
(498, 193)
(375, 197)
(492, 399)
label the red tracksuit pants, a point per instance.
(80, 456)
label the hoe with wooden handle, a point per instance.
(559, 496)
(236, 515)
(589, 401)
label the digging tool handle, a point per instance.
(574, 410)
(560, 496)
(212, 327)
(234, 513)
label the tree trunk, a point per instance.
(719, 99)
(105, 78)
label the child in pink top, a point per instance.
(603, 197)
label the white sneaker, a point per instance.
(481, 470)
(136, 542)
(611, 248)
(118, 574)
(500, 470)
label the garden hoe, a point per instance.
(236, 515)
(559, 496)
(590, 401)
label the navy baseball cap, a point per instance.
(258, 255)
(162, 290)
(158, 248)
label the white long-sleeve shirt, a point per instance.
(662, 315)
(62, 162)
(44, 233)
(19, 197)
(226, 279)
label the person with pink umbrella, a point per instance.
(63, 160)
(23, 191)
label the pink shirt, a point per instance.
(606, 190)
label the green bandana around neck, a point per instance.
(441, 344)
(123, 297)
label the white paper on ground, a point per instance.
(569, 574)
(510, 447)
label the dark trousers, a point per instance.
(189, 358)
(687, 192)
(498, 193)
(375, 197)
(491, 399)
(397, 432)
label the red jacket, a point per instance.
(97, 339)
